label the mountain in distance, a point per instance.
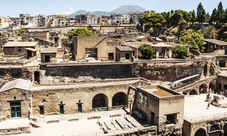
(99, 13)
(128, 8)
(125, 9)
(78, 13)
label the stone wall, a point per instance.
(9, 73)
(15, 95)
(94, 70)
(221, 82)
(168, 71)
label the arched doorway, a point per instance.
(100, 102)
(37, 76)
(119, 100)
(214, 131)
(225, 130)
(193, 92)
(212, 86)
(203, 88)
(200, 132)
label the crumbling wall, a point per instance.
(10, 73)
(89, 72)
(168, 71)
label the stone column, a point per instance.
(109, 103)
(208, 67)
(157, 55)
(170, 53)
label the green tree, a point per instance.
(180, 51)
(195, 40)
(166, 16)
(66, 42)
(155, 20)
(225, 15)
(131, 20)
(207, 17)
(145, 51)
(213, 17)
(201, 13)
(180, 18)
(21, 31)
(79, 32)
(193, 16)
(220, 13)
(211, 33)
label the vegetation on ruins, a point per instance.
(180, 18)
(67, 42)
(179, 22)
(154, 20)
(211, 33)
(21, 31)
(180, 51)
(23, 23)
(79, 32)
(145, 51)
(194, 40)
(201, 13)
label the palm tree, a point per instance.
(211, 33)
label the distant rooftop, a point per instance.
(215, 41)
(124, 48)
(20, 44)
(49, 50)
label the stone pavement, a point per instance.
(83, 126)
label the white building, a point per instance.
(91, 19)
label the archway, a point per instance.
(193, 92)
(212, 86)
(203, 88)
(119, 100)
(200, 132)
(222, 63)
(37, 76)
(225, 130)
(100, 102)
(214, 131)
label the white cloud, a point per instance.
(69, 11)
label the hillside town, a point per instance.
(140, 73)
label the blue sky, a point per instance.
(49, 7)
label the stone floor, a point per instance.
(81, 127)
